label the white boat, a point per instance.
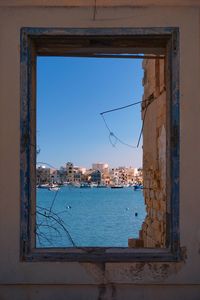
(54, 188)
(85, 185)
(102, 186)
(43, 186)
(93, 185)
(76, 184)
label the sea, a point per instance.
(88, 217)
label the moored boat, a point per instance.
(117, 186)
(138, 187)
(54, 189)
(85, 185)
(43, 186)
(102, 186)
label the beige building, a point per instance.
(43, 175)
(123, 175)
(103, 167)
(100, 278)
(69, 172)
(79, 174)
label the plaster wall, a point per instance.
(64, 280)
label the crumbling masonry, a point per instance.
(153, 232)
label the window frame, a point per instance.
(55, 41)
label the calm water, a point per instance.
(91, 217)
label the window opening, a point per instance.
(159, 134)
(95, 204)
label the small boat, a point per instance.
(43, 186)
(54, 189)
(102, 186)
(117, 186)
(85, 185)
(138, 187)
(76, 185)
(93, 185)
(126, 185)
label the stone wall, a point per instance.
(153, 231)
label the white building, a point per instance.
(103, 167)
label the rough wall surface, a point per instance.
(153, 231)
(64, 280)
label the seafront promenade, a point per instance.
(99, 175)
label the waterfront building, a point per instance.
(55, 176)
(102, 167)
(96, 176)
(69, 172)
(61, 175)
(43, 175)
(114, 176)
(139, 176)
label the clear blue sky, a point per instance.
(71, 94)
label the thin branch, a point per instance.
(41, 234)
(52, 203)
(60, 223)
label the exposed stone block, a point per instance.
(154, 155)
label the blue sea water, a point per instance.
(88, 217)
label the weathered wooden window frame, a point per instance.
(92, 42)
